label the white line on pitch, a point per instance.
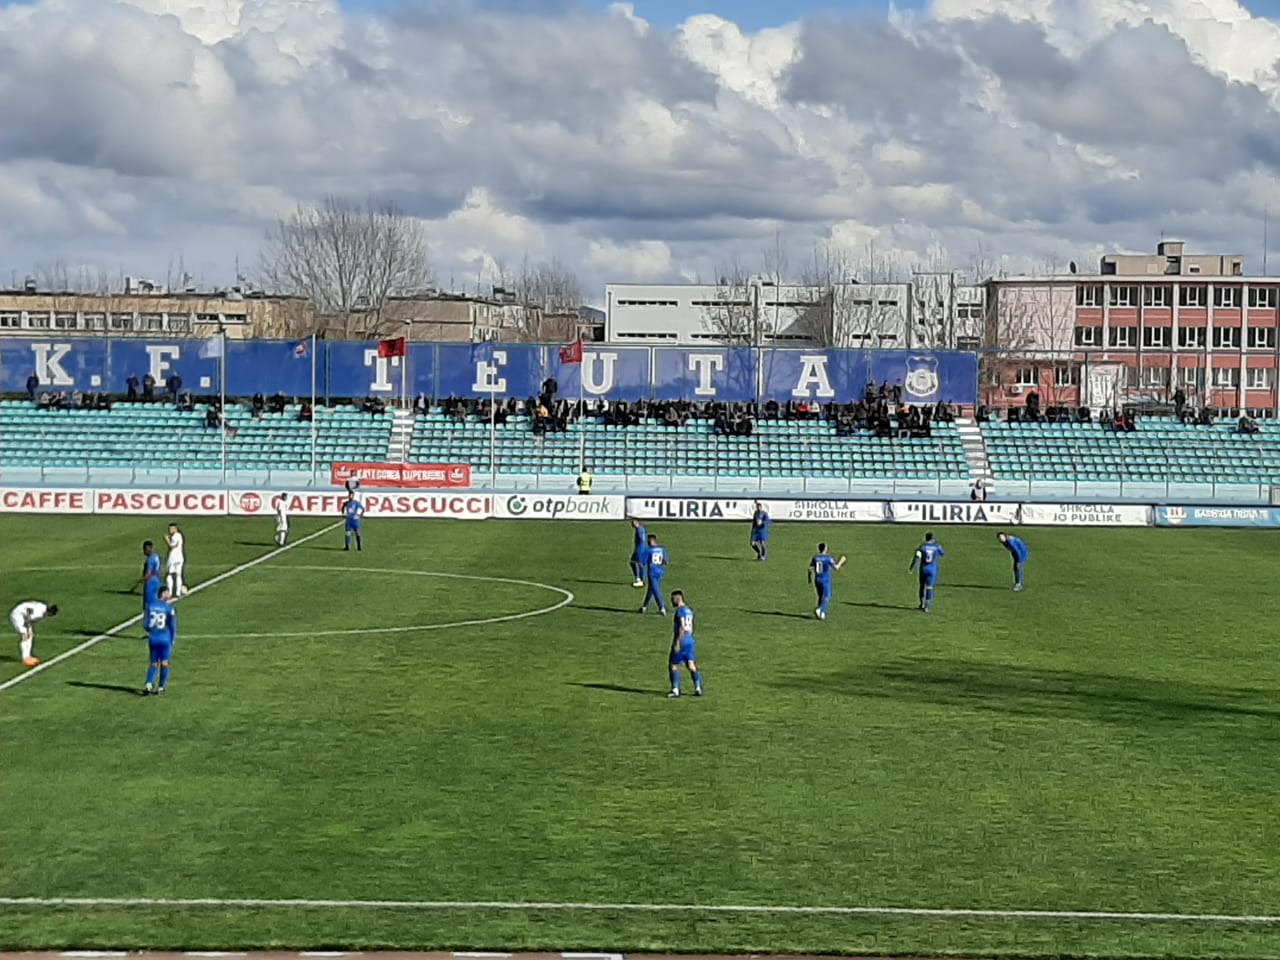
(516, 905)
(323, 953)
(212, 953)
(93, 953)
(363, 631)
(480, 955)
(108, 634)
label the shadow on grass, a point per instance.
(614, 688)
(599, 609)
(1040, 692)
(781, 613)
(712, 556)
(975, 586)
(880, 606)
(110, 687)
(605, 583)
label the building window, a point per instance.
(95, 321)
(181, 323)
(1226, 296)
(1156, 336)
(1124, 336)
(1265, 297)
(152, 321)
(674, 303)
(970, 311)
(38, 321)
(1066, 376)
(1027, 377)
(1193, 296)
(1089, 296)
(1226, 377)
(1259, 378)
(1157, 296)
(1124, 296)
(1226, 338)
(1192, 337)
(1262, 338)
(1155, 376)
(66, 321)
(10, 319)
(1088, 336)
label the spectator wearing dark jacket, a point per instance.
(33, 384)
(148, 389)
(131, 388)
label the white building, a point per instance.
(933, 312)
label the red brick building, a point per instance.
(1138, 330)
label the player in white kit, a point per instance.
(177, 560)
(281, 503)
(23, 619)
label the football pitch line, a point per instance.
(113, 631)
(749, 909)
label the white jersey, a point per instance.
(25, 615)
(177, 549)
(282, 514)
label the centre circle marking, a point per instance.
(567, 598)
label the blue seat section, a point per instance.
(153, 435)
(782, 449)
(1159, 451)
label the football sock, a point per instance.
(25, 646)
(151, 675)
(697, 679)
(164, 676)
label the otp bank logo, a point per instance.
(517, 505)
(251, 503)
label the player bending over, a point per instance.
(281, 504)
(353, 510)
(760, 522)
(177, 560)
(821, 568)
(23, 618)
(1018, 550)
(161, 622)
(927, 556)
(638, 552)
(682, 647)
(656, 562)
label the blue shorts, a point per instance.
(161, 650)
(637, 558)
(928, 578)
(683, 655)
(823, 587)
(759, 536)
(655, 577)
(353, 526)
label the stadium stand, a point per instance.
(159, 436)
(1158, 450)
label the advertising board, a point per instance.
(689, 508)
(1217, 516)
(828, 511)
(1085, 514)
(424, 475)
(541, 506)
(924, 511)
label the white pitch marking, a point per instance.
(212, 953)
(480, 954)
(93, 953)
(517, 905)
(567, 595)
(591, 956)
(213, 581)
(322, 953)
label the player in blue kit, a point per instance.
(821, 567)
(638, 549)
(150, 580)
(760, 522)
(161, 623)
(682, 647)
(656, 561)
(353, 510)
(927, 556)
(1018, 550)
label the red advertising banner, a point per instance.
(402, 474)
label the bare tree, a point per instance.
(58, 277)
(1034, 326)
(347, 259)
(856, 303)
(733, 314)
(542, 301)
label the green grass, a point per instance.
(1104, 741)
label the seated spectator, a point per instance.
(131, 388)
(277, 403)
(771, 410)
(212, 418)
(421, 405)
(1205, 417)
(174, 386)
(104, 401)
(258, 405)
(306, 413)
(77, 400)
(1248, 426)
(148, 389)
(982, 414)
(979, 491)
(187, 404)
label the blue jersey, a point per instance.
(822, 564)
(682, 643)
(151, 567)
(161, 623)
(1017, 548)
(927, 555)
(353, 510)
(150, 590)
(656, 559)
(641, 538)
(760, 521)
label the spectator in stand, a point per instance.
(1205, 419)
(421, 406)
(187, 404)
(212, 418)
(1179, 402)
(104, 401)
(1033, 406)
(896, 393)
(306, 414)
(982, 414)
(277, 403)
(148, 389)
(1248, 426)
(258, 405)
(33, 384)
(174, 386)
(131, 388)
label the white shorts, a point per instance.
(19, 624)
(175, 566)
(282, 526)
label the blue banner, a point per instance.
(354, 369)
(1218, 516)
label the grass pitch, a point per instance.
(1104, 741)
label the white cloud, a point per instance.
(140, 131)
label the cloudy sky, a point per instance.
(638, 141)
